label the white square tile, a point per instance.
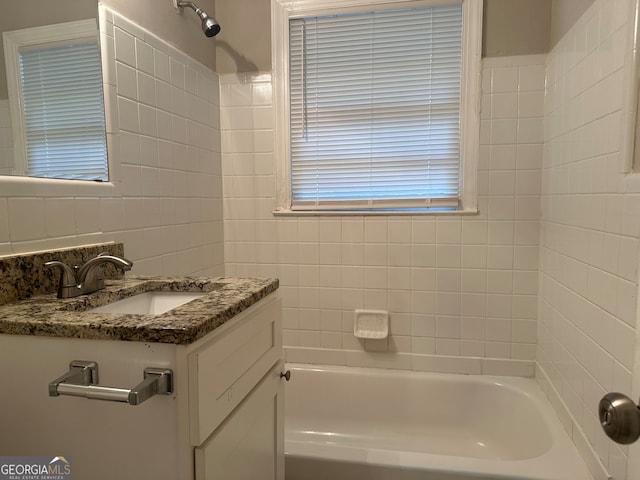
(399, 278)
(125, 47)
(128, 115)
(531, 104)
(501, 208)
(448, 256)
(474, 232)
(447, 347)
(448, 231)
(127, 85)
(163, 95)
(530, 130)
(474, 256)
(504, 132)
(399, 231)
(499, 306)
(471, 348)
(498, 350)
(177, 73)
(504, 105)
(474, 281)
(503, 157)
(531, 77)
(144, 57)
(148, 120)
(375, 231)
(146, 89)
(504, 79)
(399, 255)
(375, 278)
(500, 281)
(423, 326)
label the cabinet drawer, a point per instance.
(223, 371)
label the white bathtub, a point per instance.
(345, 423)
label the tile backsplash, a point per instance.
(462, 289)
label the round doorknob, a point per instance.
(286, 375)
(620, 418)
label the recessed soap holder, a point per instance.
(371, 324)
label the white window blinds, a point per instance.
(63, 111)
(375, 109)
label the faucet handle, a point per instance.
(125, 260)
(67, 278)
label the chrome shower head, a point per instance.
(209, 25)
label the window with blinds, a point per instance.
(375, 109)
(63, 111)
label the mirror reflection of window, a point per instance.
(54, 77)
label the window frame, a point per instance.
(284, 10)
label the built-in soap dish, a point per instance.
(371, 324)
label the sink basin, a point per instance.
(150, 303)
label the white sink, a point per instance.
(150, 303)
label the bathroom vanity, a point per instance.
(223, 418)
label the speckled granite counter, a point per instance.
(49, 316)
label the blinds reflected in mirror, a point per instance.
(63, 111)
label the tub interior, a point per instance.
(477, 418)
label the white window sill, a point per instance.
(367, 213)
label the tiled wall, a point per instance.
(6, 139)
(163, 134)
(590, 230)
(462, 291)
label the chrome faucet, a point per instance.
(88, 278)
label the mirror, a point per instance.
(18, 150)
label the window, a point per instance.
(56, 99)
(377, 105)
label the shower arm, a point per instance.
(180, 5)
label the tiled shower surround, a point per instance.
(165, 203)
(590, 228)
(461, 290)
(547, 272)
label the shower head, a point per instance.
(209, 25)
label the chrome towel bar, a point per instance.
(82, 381)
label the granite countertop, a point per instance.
(50, 316)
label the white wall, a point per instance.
(461, 290)
(165, 204)
(590, 229)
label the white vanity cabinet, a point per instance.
(224, 419)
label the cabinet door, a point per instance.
(225, 369)
(249, 444)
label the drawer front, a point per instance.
(223, 371)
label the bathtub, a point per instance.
(346, 423)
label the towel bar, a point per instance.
(82, 378)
